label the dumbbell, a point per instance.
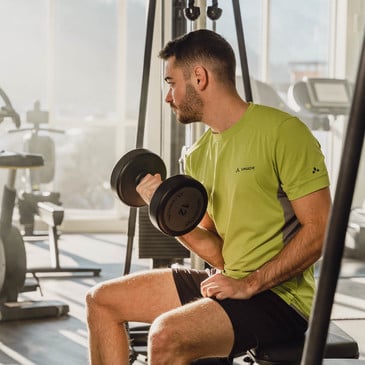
(178, 204)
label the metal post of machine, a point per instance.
(337, 227)
(177, 133)
(242, 50)
(132, 219)
(197, 129)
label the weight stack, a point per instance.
(155, 245)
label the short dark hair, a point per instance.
(204, 46)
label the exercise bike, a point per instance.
(34, 201)
(37, 140)
(13, 265)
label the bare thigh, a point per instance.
(201, 328)
(139, 297)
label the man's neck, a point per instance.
(224, 114)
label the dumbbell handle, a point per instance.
(140, 177)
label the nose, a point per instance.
(168, 98)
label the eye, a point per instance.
(169, 81)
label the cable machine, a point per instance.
(316, 338)
(152, 244)
(165, 250)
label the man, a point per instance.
(264, 227)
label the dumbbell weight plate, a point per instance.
(130, 169)
(178, 205)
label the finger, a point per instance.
(203, 290)
(210, 291)
(147, 186)
(151, 183)
(204, 285)
(147, 180)
(221, 296)
(144, 190)
(205, 282)
(210, 279)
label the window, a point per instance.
(83, 59)
(23, 61)
(299, 41)
(68, 55)
(84, 42)
(295, 45)
(251, 12)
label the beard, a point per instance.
(190, 109)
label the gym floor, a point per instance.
(60, 341)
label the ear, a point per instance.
(201, 77)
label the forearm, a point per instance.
(203, 240)
(303, 250)
(298, 255)
(206, 244)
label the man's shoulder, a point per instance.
(269, 119)
(269, 113)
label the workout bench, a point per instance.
(339, 346)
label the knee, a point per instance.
(162, 338)
(99, 307)
(91, 297)
(96, 298)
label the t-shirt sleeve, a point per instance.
(300, 162)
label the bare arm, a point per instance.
(205, 242)
(302, 251)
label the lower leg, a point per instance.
(108, 339)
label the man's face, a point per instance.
(182, 96)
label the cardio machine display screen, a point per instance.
(329, 92)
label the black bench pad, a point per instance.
(339, 345)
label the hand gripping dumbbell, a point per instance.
(178, 204)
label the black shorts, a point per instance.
(264, 319)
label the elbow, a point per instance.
(216, 262)
(318, 247)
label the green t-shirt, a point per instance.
(251, 172)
